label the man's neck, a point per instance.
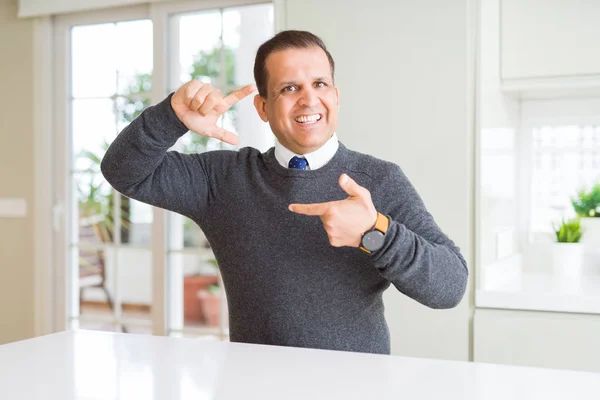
(316, 159)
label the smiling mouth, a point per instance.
(308, 119)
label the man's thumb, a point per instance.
(350, 186)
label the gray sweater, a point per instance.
(285, 284)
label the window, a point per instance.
(110, 86)
(532, 165)
(565, 159)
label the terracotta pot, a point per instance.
(211, 307)
(192, 307)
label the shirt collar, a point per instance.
(316, 159)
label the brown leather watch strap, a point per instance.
(382, 223)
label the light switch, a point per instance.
(13, 207)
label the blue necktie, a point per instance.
(298, 163)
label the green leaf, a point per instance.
(568, 231)
(587, 203)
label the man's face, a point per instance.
(302, 103)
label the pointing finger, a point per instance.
(310, 209)
(239, 94)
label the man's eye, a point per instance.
(320, 84)
(291, 88)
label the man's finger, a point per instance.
(223, 135)
(209, 103)
(350, 186)
(199, 96)
(239, 94)
(310, 209)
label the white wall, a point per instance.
(550, 38)
(402, 70)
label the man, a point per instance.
(307, 235)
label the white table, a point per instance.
(98, 365)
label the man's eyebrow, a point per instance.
(286, 83)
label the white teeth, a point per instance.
(308, 118)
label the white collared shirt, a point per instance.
(316, 159)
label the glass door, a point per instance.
(123, 265)
(109, 253)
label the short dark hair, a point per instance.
(282, 41)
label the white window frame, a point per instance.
(52, 148)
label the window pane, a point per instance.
(244, 30)
(134, 56)
(197, 299)
(563, 164)
(112, 266)
(185, 233)
(94, 127)
(129, 108)
(197, 48)
(95, 204)
(134, 274)
(96, 292)
(140, 224)
(94, 60)
(114, 280)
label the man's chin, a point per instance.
(310, 146)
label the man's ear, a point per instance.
(261, 107)
(337, 97)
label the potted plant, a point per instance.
(192, 284)
(568, 252)
(587, 207)
(210, 300)
(96, 199)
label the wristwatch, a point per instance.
(372, 240)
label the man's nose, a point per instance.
(309, 98)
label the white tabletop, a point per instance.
(98, 365)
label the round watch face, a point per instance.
(373, 240)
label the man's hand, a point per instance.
(199, 105)
(345, 220)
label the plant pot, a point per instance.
(192, 307)
(567, 259)
(211, 307)
(591, 233)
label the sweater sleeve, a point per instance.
(417, 257)
(139, 165)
